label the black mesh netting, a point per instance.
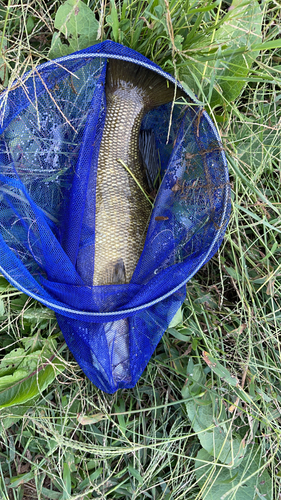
(52, 125)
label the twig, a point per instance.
(172, 38)
(135, 179)
(54, 101)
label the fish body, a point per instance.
(122, 210)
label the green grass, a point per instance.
(220, 368)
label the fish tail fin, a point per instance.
(117, 336)
(115, 273)
(154, 88)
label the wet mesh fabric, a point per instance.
(51, 127)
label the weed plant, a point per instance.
(204, 420)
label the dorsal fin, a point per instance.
(148, 152)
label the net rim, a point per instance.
(59, 307)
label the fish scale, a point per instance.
(48, 205)
(122, 210)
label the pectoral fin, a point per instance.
(149, 156)
(116, 273)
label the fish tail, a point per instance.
(154, 88)
(117, 336)
(116, 273)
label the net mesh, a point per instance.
(51, 128)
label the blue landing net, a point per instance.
(51, 126)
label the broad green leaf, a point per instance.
(210, 422)
(233, 47)
(11, 361)
(114, 20)
(178, 335)
(58, 49)
(35, 343)
(196, 381)
(4, 284)
(77, 22)
(29, 24)
(38, 313)
(178, 318)
(242, 29)
(219, 369)
(11, 415)
(9, 380)
(36, 371)
(178, 41)
(21, 479)
(245, 482)
(214, 434)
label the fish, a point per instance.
(122, 211)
